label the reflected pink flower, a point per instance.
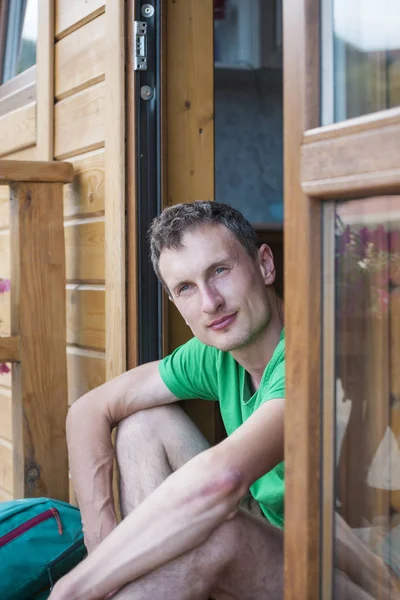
(4, 369)
(5, 285)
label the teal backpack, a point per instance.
(40, 541)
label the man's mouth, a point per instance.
(223, 322)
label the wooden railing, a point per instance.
(37, 346)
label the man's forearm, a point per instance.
(91, 473)
(179, 515)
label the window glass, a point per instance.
(21, 36)
(367, 390)
(361, 57)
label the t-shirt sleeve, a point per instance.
(276, 384)
(191, 371)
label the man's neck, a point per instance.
(255, 356)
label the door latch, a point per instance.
(140, 48)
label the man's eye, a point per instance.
(220, 270)
(184, 288)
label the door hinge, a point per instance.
(140, 48)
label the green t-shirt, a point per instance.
(195, 370)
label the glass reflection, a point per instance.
(367, 327)
(366, 56)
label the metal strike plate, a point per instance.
(140, 48)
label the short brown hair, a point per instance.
(168, 229)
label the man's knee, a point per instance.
(143, 426)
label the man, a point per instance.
(198, 521)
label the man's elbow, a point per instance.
(223, 480)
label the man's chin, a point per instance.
(227, 344)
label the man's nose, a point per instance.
(211, 300)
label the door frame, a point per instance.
(347, 160)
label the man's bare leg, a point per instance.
(366, 569)
(241, 560)
(150, 446)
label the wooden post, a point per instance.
(38, 318)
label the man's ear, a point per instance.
(267, 266)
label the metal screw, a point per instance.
(146, 92)
(147, 10)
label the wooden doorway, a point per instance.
(224, 126)
(342, 186)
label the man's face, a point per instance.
(218, 288)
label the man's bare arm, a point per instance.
(184, 510)
(91, 454)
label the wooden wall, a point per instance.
(80, 47)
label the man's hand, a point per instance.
(178, 516)
(183, 511)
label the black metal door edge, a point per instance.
(149, 202)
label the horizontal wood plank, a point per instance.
(18, 82)
(80, 58)
(9, 349)
(6, 467)
(84, 244)
(351, 159)
(85, 195)
(79, 122)
(18, 129)
(71, 14)
(18, 99)
(86, 317)
(86, 371)
(35, 171)
(5, 414)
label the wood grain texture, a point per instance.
(38, 316)
(84, 251)
(18, 99)
(10, 349)
(85, 195)
(115, 189)
(86, 370)
(45, 81)
(302, 307)
(79, 122)
(86, 316)
(190, 101)
(6, 468)
(72, 14)
(347, 160)
(5, 414)
(18, 129)
(34, 171)
(80, 58)
(26, 154)
(26, 78)
(5, 496)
